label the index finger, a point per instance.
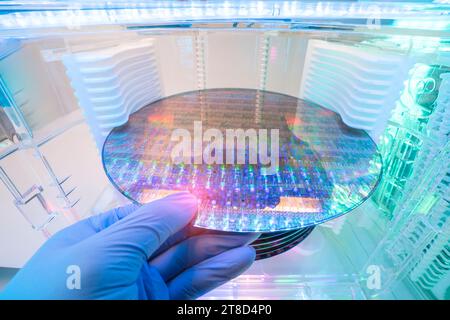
(144, 230)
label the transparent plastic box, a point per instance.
(383, 67)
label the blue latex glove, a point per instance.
(146, 252)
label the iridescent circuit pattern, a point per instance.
(325, 168)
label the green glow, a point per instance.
(401, 142)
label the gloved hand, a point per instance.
(134, 252)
